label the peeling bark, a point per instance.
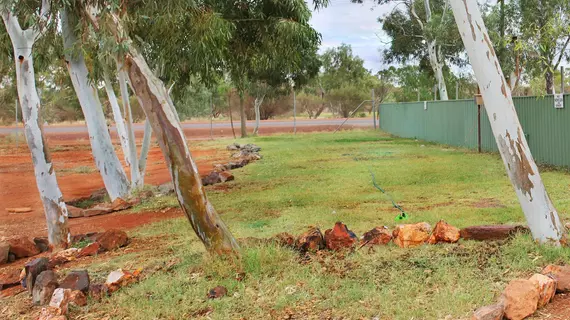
(243, 118)
(54, 207)
(135, 172)
(106, 160)
(256, 105)
(118, 117)
(539, 211)
(159, 110)
(144, 152)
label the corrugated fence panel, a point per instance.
(454, 122)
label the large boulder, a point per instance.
(520, 298)
(4, 252)
(411, 235)
(561, 274)
(376, 236)
(546, 287)
(492, 312)
(112, 239)
(444, 232)
(76, 280)
(23, 247)
(492, 232)
(312, 240)
(339, 237)
(33, 270)
(44, 286)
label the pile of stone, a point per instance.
(99, 209)
(243, 155)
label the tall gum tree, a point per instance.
(538, 209)
(23, 41)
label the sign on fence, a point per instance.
(558, 101)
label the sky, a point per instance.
(354, 24)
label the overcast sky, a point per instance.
(354, 24)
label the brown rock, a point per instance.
(117, 279)
(284, 239)
(76, 280)
(339, 237)
(411, 235)
(443, 232)
(44, 286)
(546, 287)
(212, 178)
(33, 270)
(561, 274)
(90, 250)
(98, 291)
(312, 240)
(61, 257)
(51, 313)
(78, 298)
(376, 236)
(42, 244)
(112, 239)
(74, 212)
(492, 312)
(89, 237)
(217, 292)
(493, 232)
(23, 247)
(237, 164)
(226, 176)
(520, 298)
(98, 210)
(19, 210)
(4, 252)
(120, 204)
(60, 300)
(9, 277)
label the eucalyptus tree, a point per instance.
(35, 21)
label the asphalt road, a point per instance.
(360, 122)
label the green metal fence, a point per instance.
(455, 122)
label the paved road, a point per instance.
(360, 122)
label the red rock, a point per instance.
(60, 300)
(443, 232)
(33, 270)
(97, 210)
(98, 291)
(492, 312)
(44, 286)
(4, 252)
(51, 313)
(74, 212)
(561, 274)
(284, 239)
(520, 298)
(23, 247)
(90, 250)
(42, 243)
(112, 239)
(78, 298)
(62, 257)
(19, 210)
(217, 292)
(376, 236)
(117, 279)
(411, 235)
(120, 204)
(89, 237)
(339, 237)
(212, 178)
(9, 277)
(312, 240)
(226, 176)
(493, 232)
(76, 280)
(546, 287)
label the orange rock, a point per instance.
(312, 240)
(23, 247)
(217, 292)
(226, 176)
(520, 298)
(546, 287)
(19, 210)
(378, 235)
(120, 204)
(78, 298)
(561, 274)
(74, 212)
(112, 239)
(117, 279)
(411, 235)
(89, 250)
(444, 232)
(339, 237)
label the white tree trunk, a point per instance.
(54, 207)
(434, 53)
(135, 173)
(540, 214)
(256, 105)
(144, 152)
(106, 159)
(119, 119)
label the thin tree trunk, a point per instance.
(160, 111)
(106, 159)
(539, 211)
(231, 117)
(243, 118)
(144, 152)
(549, 81)
(437, 67)
(119, 119)
(256, 105)
(54, 207)
(135, 174)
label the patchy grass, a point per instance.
(318, 179)
(77, 170)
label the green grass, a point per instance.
(318, 179)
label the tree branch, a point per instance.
(562, 52)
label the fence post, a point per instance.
(457, 90)
(434, 92)
(562, 79)
(418, 91)
(478, 102)
(294, 112)
(373, 110)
